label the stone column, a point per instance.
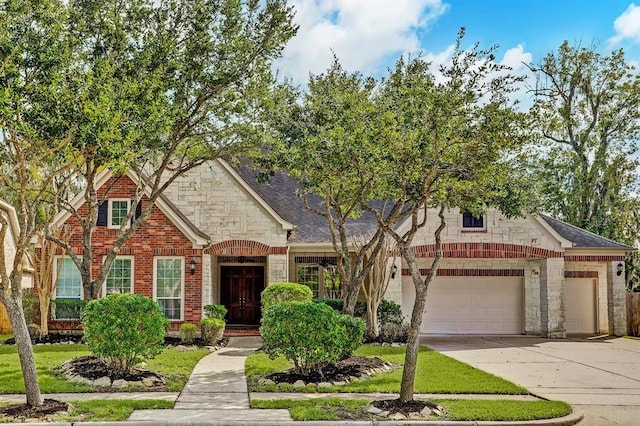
(552, 298)
(616, 295)
(207, 281)
(394, 289)
(532, 298)
(277, 268)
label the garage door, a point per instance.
(474, 305)
(580, 305)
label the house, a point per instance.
(9, 246)
(219, 236)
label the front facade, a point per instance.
(217, 236)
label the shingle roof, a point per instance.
(582, 238)
(281, 193)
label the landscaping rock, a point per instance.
(266, 382)
(426, 412)
(298, 384)
(339, 383)
(324, 385)
(373, 410)
(120, 383)
(102, 382)
(397, 416)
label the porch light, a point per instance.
(619, 269)
(394, 270)
(192, 266)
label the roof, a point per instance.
(282, 194)
(581, 238)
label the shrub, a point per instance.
(68, 308)
(391, 323)
(338, 305)
(285, 292)
(124, 329)
(354, 328)
(308, 334)
(211, 330)
(215, 311)
(188, 333)
(389, 311)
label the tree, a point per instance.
(448, 141)
(321, 136)
(159, 88)
(32, 155)
(586, 115)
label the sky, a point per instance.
(369, 35)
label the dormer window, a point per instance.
(469, 221)
(117, 213)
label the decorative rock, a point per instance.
(267, 382)
(143, 364)
(426, 411)
(339, 383)
(415, 416)
(324, 385)
(120, 383)
(102, 382)
(397, 416)
(384, 414)
(149, 381)
(373, 410)
(181, 348)
(437, 412)
(298, 384)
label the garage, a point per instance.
(580, 305)
(473, 305)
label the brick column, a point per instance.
(616, 295)
(552, 298)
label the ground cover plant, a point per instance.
(436, 373)
(456, 409)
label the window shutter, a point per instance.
(102, 214)
(138, 210)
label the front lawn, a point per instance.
(456, 409)
(4, 337)
(436, 373)
(175, 365)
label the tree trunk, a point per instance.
(373, 329)
(25, 350)
(44, 302)
(413, 346)
(351, 298)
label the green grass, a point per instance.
(632, 337)
(456, 409)
(317, 409)
(4, 337)
(436, 373)
(175, 365)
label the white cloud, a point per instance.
(627, 25)
(362, 33)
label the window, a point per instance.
(169, 276)
(118, 210)
(472, 222)
(324, 282)
(69, 289)
(120, 277)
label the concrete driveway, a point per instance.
(599, 377)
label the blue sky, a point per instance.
(369, 35)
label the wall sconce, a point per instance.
(394, 270)
(192, 266)
(242, 259)
(619, 269)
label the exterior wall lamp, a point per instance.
(394, 271)
(192, 266)
(619, 269)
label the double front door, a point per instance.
(240, 293)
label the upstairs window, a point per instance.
(118, 211)
(469, 221)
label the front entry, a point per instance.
(240, 293)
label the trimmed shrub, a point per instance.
(354, 328)
(211, 330)
(278, 293)
(389, 311)
(308, 334)
(215, 311)
(338, 304)
(124, 329)
(188, 333)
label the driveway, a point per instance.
(599, 377)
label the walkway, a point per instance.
(217, 391)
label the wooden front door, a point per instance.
(240, 293)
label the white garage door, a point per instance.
(580, 305)
(474, 305)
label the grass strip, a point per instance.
(456, 409)
(436, 373)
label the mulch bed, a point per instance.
(354, 366)
(24, 412)
(92, 367)
(395, 406)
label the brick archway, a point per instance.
(240, 247)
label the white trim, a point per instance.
(182, 286)
(55, 275)
(110, 225)
(133, 262)
(104, 176)
(13, 218)
(227, 168)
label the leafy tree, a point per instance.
(586, 114)
(32, 64)
(323, 134)
(159, 87)
(447, 141)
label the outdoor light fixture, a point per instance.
(619, 269)
(242, 259)
(394, 270)
(192, 266)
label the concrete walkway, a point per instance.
(217, 391)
